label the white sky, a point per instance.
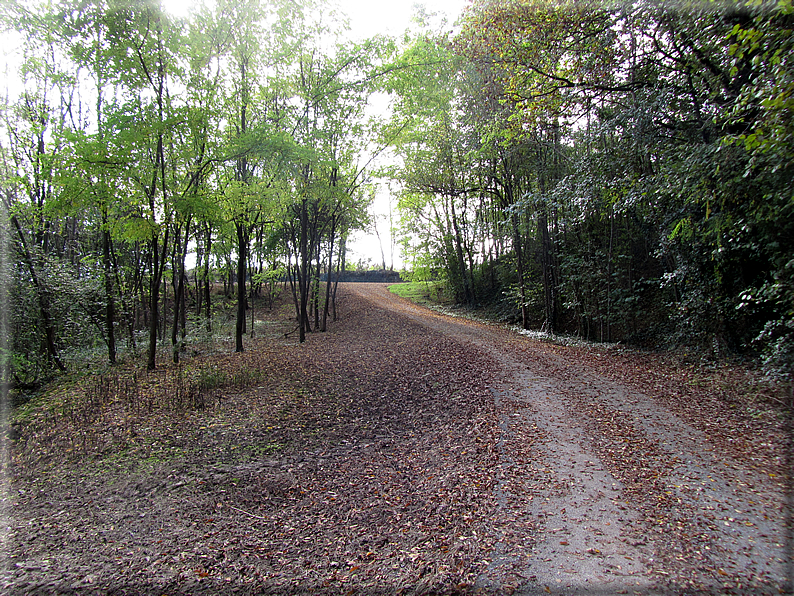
(368, 17)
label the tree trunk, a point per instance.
(179, 298)
(303, 281)
(176, 281)
(250, 301)
(183, 311)
(242, 256)
(144, 300)
(196, 278)
(549, 290)
(127, 298)
(208, 282)
(468, 294)
(43, 298)
(158, 264)
(326, 306)
(519, 250)
(164, 309)
(251, 306)
(340, 268)
(292, 277)
(316, 292)
(110, 308)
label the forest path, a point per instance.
(402, 451)
(605, 490)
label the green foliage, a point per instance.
(421, 292)
(634, 188)
(619, 172)
(75, 302)
(136, 136)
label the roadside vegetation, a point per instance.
(618, 173)
(422, 292)
(98, 410)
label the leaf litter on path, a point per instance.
(405, 452)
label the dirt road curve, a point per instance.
(624, 496)
(400, 452)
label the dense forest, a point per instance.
(618, 171)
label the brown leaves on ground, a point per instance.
(365, 461)
(357, 463)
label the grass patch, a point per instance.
(420, 292)
(261, 450)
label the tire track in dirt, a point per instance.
(403, 451)
(624, 496)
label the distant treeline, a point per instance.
(368, 276)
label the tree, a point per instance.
(437, 181)
(595, 137)
(137, 134)
(35, 137)
(332, 92)
(142, 39)
(761, 121)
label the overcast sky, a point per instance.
(368, 17)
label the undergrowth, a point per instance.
(97, 408)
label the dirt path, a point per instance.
(400, 452)
(569, 438)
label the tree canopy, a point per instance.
(136, 138)
(616, 171)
